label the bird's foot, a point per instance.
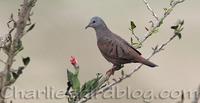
(110, 72)
(113, 69)
(118, 67)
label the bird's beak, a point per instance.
(87, 26)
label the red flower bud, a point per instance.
(73, 60)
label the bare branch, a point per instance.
(160, 21)
(151, 10)
(2, 61)
(13, 44)
(137, 38)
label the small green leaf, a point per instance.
(174, 27)
(165, 9)
(73, 79)
(103, 86)
(26, 60)
(178, 28)
(69, 75)
(179, 35)
(31, 27)
(18, 73)
(20, 70)
(8, 77)
(169, 10)
(155, 48)
(90, 85)
(155, 31)
(146, 29)
(132, 40)
(136, 45)
(19, 47)
(15, 75)
(133, 26)
(182, 22)
(76, 84)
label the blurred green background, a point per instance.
(60, 33)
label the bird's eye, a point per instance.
(93, 21)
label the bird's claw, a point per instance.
(110, 72)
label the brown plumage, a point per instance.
(115, 49)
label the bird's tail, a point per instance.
(148, 63)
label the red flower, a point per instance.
(73, 61)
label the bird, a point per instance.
(114, 48)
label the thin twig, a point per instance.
(160, 21)
(137, 38)
(151, 10)
(14, 41)
(2, 61)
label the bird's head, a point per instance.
(96, 22)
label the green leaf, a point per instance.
(18, 73)
(31, 27)
(146, 29)
(155, 31)
(165, 9)
(26, 60)
(178, 28)
(75, 84)
(19, 47)
(8, 77)
(132, 40)
(20, 70)
(179, 35)
(155, 48)
(136, 45)
(169, 10)
(181, 29)
(69, 75)
(133, 26)
(182, 22)
(15, 75)
(174, 27)
(90, 85)
(73, 79)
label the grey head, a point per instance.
(96, 23)
(99, 26)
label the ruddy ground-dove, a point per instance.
(115, 49)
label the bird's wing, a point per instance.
(125, 43)
(130, 46)
(117, 48)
